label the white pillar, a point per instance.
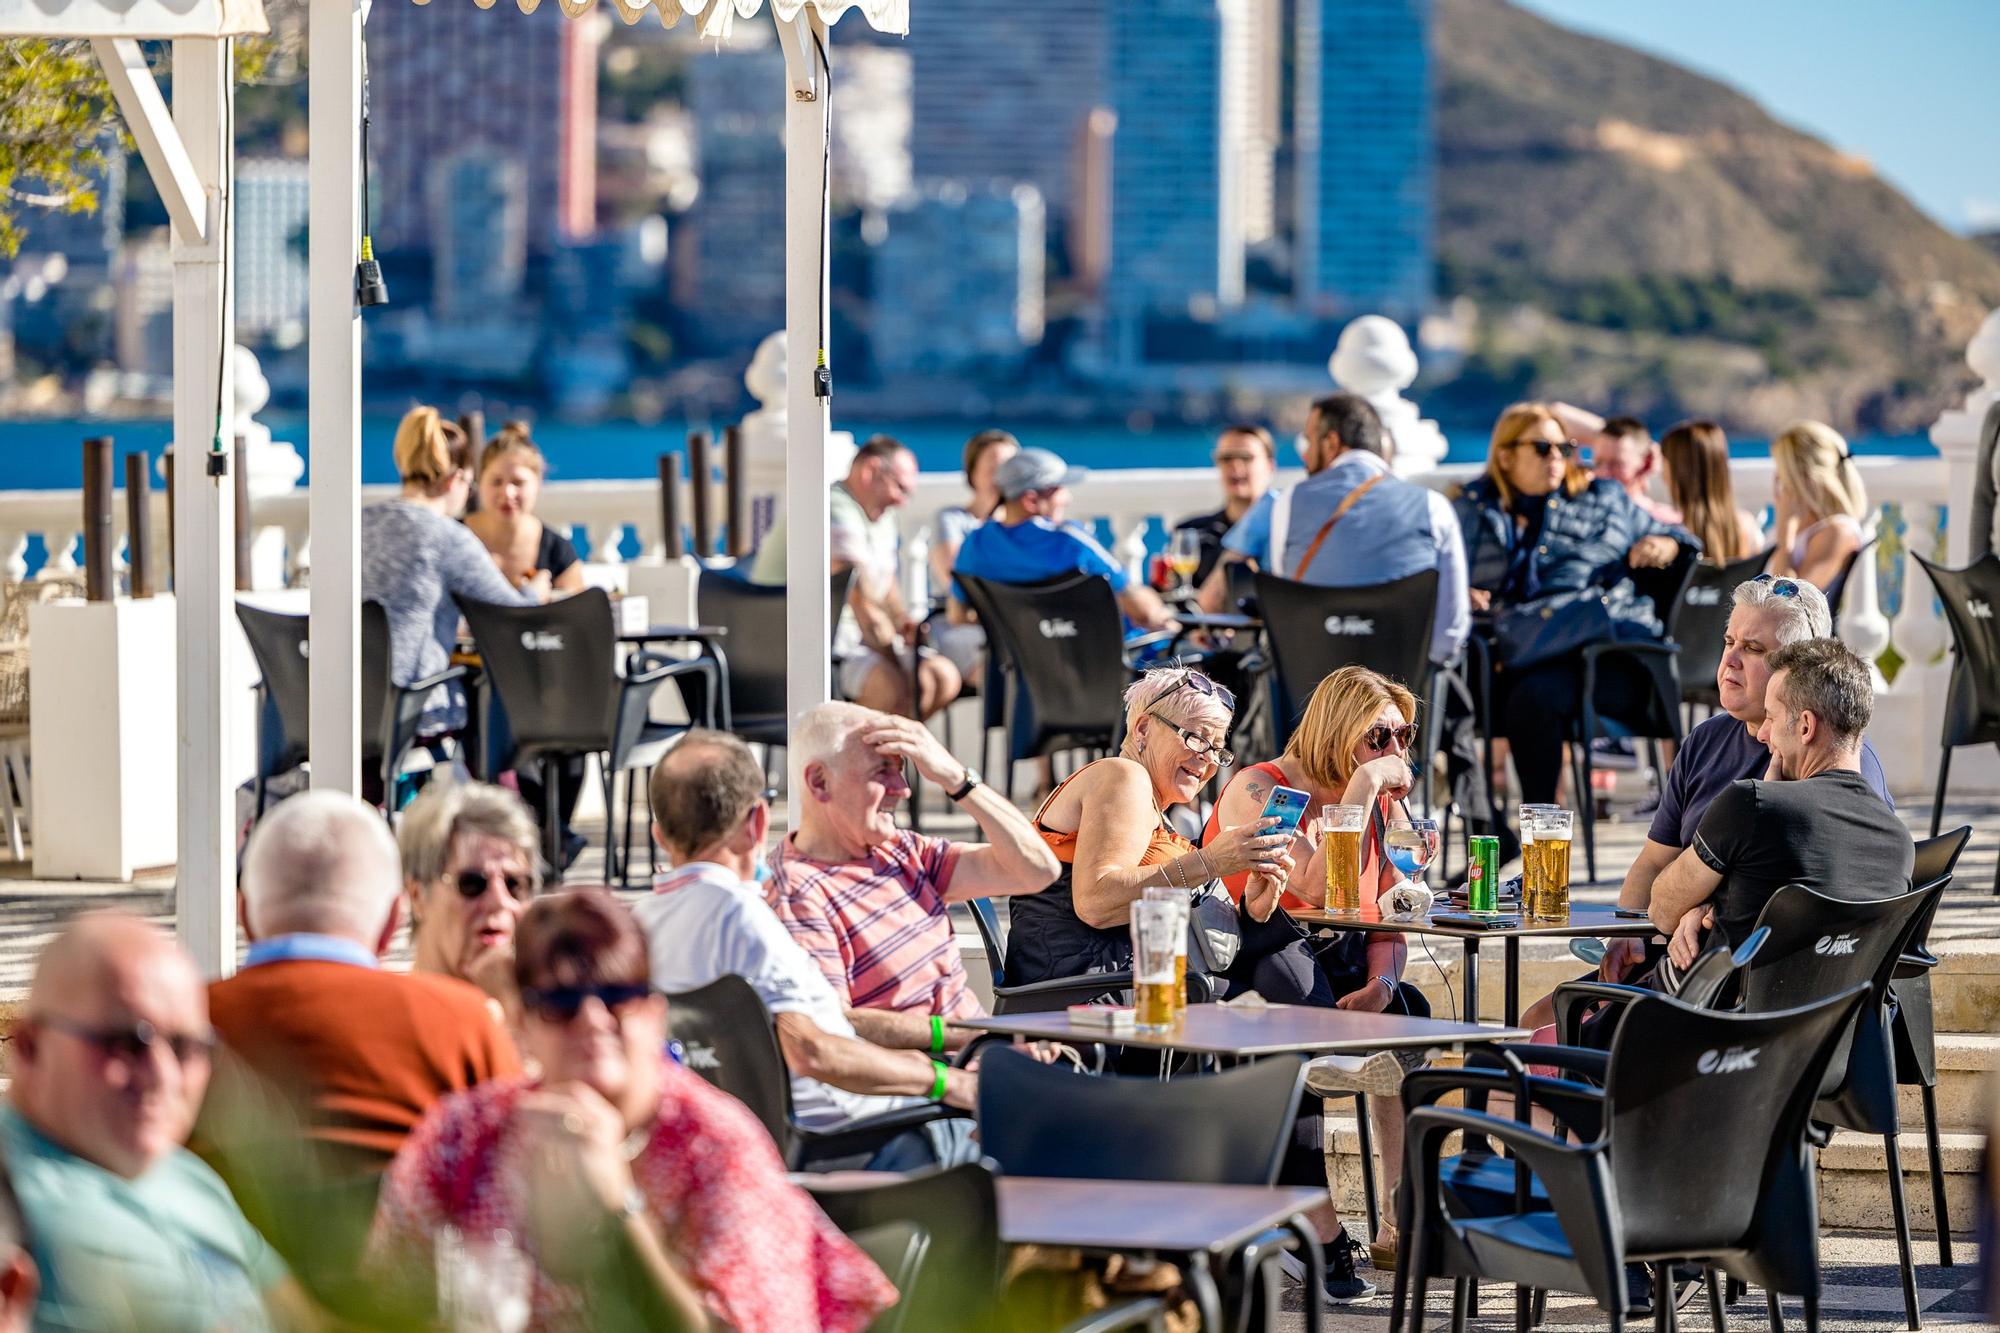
(334, 395)
(204, 525)
(808, 112)
(1956, 435)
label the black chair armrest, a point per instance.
(429, 683)
(1666, 648)
(1132, 1312)
(859, 1140)
(635, 691)
(1593, 1064)
(1571, 998)
(1058, 992)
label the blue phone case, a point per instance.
(1288, 804)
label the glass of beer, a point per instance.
(1154, 926)
(1545, 892)
(1177, 899)
(1184, 556)
(1340, 828)
(1531, 866)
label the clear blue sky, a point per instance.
(1912, 85)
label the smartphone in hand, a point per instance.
(1289, 805)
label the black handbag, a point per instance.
(1215, 935)
(1551, 627)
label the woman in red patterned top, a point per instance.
(641, 1194)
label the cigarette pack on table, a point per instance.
(1114, 1017)
(633, 614)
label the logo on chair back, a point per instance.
(1704, 597)
(1832, 945)
(1979, 609)
(699, 1057)
(1732, 1061)
(541, 641)
(1057, 629)
(1344, 625)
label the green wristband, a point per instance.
(937, 1084)
(937, 1034)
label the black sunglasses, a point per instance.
(472, 883)
(133, 1044)
(561, 1004)
(1566, 448)
(1779, 587)
(1200, 684)
(1378, 736)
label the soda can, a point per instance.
(1482, 878)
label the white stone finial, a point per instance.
(764, 433)
(765, 378)
(1375, 360)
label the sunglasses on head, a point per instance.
(132, 1043)
(1200, 684)
(561, 1004)
(1566, 448)
(1378, 736)
(472, 883)
(1779, 587)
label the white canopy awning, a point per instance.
(715, 16)
(137, 20)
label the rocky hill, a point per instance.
(1641, 237)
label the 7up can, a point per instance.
(1482, 877)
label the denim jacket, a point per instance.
(1584, 543)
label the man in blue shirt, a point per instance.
(1351, 524)
(1027, 540)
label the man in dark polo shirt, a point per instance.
(1811, 820)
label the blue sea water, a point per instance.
(47, 454)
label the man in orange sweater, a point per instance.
(329, 1061)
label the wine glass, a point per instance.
(1411, 845)
(1184, 556)
(486, 1282)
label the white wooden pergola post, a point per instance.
(808, 118)
(334, 395)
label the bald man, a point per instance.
(128, 1228)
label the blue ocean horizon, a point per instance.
(46, 454)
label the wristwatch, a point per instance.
(964, 789)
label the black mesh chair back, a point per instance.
(1937, 857)
(1699, 618)
(376, 688)
(726, 1037)
(278, 642)
(1971, 599)
(987, 919)
(554, 668)
(1836, 592)
(754, 615)
(1314, 631)
(1220, 1129)
(1704, 1109)
(957, 1208)
(1065, 642)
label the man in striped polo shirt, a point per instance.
(866, 899)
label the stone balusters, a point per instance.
(607, 541)
(1921, 635)
(1863, 627)
(15, 546)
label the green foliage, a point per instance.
(56, 136)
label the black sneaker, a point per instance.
(1343, 1286)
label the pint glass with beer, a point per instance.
(1341, 827)
(1178, 900)
(1545, 888)
(1154, 925)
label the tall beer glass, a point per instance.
(1178, 900)
(1153, 930)
(1546, 898)
(1341, 827)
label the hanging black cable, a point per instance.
(822, 374)
(218, 456)
(369, 289)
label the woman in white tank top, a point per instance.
(1821, 505)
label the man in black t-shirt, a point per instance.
(1811, 820)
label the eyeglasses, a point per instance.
(131, 1045)
(472, 883)
(1566, 448)
(1200, 684)
(1779, 587)
(561, 1004)
(1378, 736)
(1200, 745)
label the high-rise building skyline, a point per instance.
(958, 280)
(731, 281)
(273, 200)
(479, 234)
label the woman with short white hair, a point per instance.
(471, 865)
(1108, 828)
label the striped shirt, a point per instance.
(877, 927)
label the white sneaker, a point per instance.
(1379, 1075)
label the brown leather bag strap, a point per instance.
(1340, 512)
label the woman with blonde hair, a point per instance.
(1546, 549)
(1697, 459)
(511, 471)
(416, 556)
(1821, 506)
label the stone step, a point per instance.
(1965, 988)
(1966, 1064)
(1854, 1190)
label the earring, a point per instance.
(1142, 745)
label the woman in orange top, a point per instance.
(1107, 826)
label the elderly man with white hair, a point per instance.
(868, 899)
(361, 1052)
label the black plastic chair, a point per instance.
(1314, 631)
(1230, 1128)
(1067, 662)
(957, 1279)
(1971, 598)
(1699, 619)
(730, 1041)
(1836, 591)
(1912, 1029)
(754, 615)
(555, 669)
(1039, 996)
(1703, 1156)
